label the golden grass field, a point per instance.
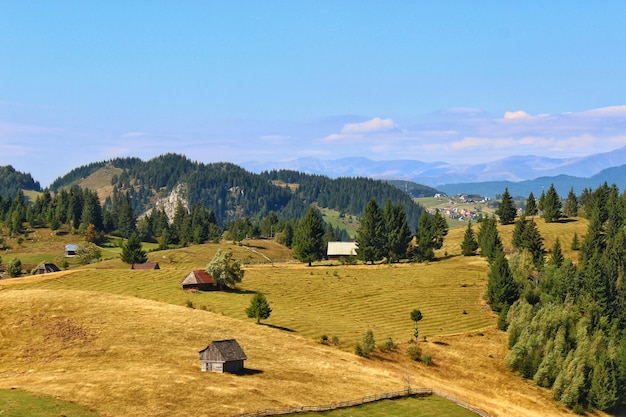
(122, 342)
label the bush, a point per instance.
(387, 346)
(347, 260)
(324, 339)
(369, 344)
(189, 304)
(358, 349)
(14, 268)
(335, 340)
(427, 359)
(414, 352)
(502, 323)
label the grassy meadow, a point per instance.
(118, 341)
(431, 406)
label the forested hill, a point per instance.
(11, 181)
(348, 195)
(233, 192)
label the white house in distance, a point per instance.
(338, 249)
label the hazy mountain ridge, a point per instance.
(435, 174)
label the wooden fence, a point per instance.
(360, 401)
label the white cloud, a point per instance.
(612, 111)
(478, 142)
(373, 125)
(515, 114)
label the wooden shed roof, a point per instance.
(229, 350)
(341, 249)
(44, 268)
(145, 265)
(198, 276)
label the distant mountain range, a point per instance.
(521, 174)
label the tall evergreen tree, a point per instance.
(533, 241)
(431, 231)
(506, 210)
(132, 251)
(308, 239)
(531, 205)
(397, 232)
(552, 205)
(502, 290)
(571, 204)
(517, 239)
(557, 257)
(124, 215)
(370, 236)
(469, 246)
(489, 239)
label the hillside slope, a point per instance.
(75, 346)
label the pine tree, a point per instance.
(517, 239)
(397, 232)
(308, 239)
(531, 205)
(370, 237)
(431, 230)
(552, 206)
(469, 246)
(557, 255)
(502, 290)
(533, 241)
(489, 240)
(575, 243)
(259, 308)
(132, 253)
(571, 204)
(506, 210)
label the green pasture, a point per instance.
(348, 222)
(19, 403)
(430, 406)
(332, 300)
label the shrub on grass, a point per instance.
(427, 359)
(14, 268)
(189, 304)
(369, 344)
(414, 352)
(334, 340)
(387, 346)
(324, 339)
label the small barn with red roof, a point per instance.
(199, 280)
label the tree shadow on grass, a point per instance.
(273, 326)
(565, 220)
(249, 372)
(238, 291)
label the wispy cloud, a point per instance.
(373, 125)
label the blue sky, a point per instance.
(455, 81)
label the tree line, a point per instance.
(566, 320)
(383, 234)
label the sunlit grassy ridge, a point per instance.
(344, 301)
(126, 356)
(122, 342)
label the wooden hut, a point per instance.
(199, 280)
(222, 356)
(145, 265)
(45, 268)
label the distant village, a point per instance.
(463, 207)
